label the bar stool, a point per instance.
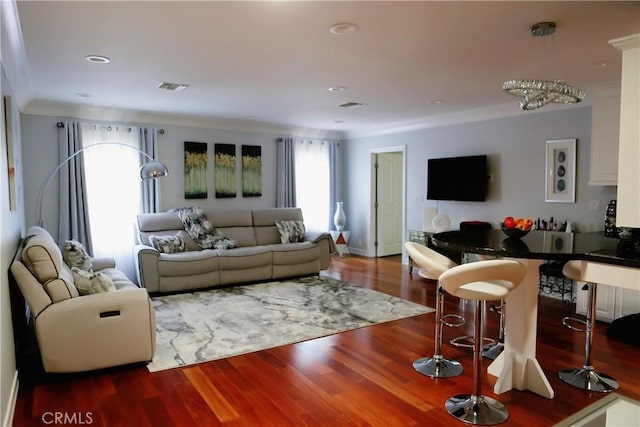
(480, 281)
(432, 265)
(490, 347)
(586, 377)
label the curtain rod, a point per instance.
(61, 125)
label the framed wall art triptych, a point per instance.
(225, 170)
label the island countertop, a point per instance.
(538, 244)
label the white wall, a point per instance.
(516, 150)
(12, 228)
(41, 157)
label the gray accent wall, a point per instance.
(516, 149)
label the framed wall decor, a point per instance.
(195, 170)
(9, 128)
(225, 164)
(560, 173)
(251, 171)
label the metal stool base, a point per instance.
(492, 351)
(588, 379)
(437, 367)
(467, 341)
(477, 410)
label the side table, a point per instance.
(341, 238)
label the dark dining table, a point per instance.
(603, 261)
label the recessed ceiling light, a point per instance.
(438, 101)
(337, 89)
(343, 28)
(338, 121)
(97, 59)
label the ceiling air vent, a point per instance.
(173, 87)
(351, 105)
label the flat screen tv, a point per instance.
(457, 178)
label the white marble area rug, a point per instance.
(208, 325)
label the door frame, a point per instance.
(373, 220)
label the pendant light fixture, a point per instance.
(533, 93)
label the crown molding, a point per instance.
(460, 117)
(88, 112)
(625, 43)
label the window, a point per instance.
(113, 191)
(313, 183)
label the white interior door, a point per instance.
(389, 200)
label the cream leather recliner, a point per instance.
(81, 333)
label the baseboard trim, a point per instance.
(11, 404)
(357, 251)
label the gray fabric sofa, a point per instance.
(260, 255)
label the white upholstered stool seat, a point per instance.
(480, 281)
(483, 290)
(586, 377)
(432, 265)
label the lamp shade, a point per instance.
(153, 169)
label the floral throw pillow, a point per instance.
(291, 231)
(167, 244)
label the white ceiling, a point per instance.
(271, 63)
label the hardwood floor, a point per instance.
(358, 378)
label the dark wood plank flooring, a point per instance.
(358, 378)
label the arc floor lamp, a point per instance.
(150, 170)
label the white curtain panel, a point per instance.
(313, 183)
(112, 175)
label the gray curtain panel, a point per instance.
(286, 179)
(73, 216)
(335, 189)
(150, 188)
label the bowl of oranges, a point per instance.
(516, 227)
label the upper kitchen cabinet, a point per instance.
(605, 135)
(628, 205)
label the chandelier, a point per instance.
(533, 93)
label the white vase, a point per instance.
(339, 219)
